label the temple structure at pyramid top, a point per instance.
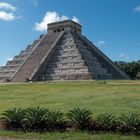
(67, 26)
(61, 54)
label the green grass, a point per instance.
(113, 96)
(66, 136)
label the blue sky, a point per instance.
(113, 25)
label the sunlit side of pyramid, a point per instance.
(61, 54)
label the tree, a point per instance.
(130, 68)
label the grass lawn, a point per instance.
(113, 96)
(66, 136)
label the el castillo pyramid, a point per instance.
(61, 54)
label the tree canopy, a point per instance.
(130, 68)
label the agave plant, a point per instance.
(35, 119)
(130, 123)
(13, 118)
(80, 118)
(55, 120)
(107, 122)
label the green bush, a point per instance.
(80, 118)
(39, 119)
(13, 118)
(107, 122)
(55, 121)
(35, 119)
(130, 123)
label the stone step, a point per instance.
(67, 38)
(62, 47)
(7, 70)
(4, 79)
(87, 52)
(81, 46)
(70, 76)
(99, 71)
(66, 54)
(67, 51)
(15, 62)
(54, 71)
(66, 59)
(89, 57)
(69, 56)
(63, 62)
(70, 64)
(12, 65)
(6, 76)
(68, 67)
(93, 62)
(19, 59)
(66, 43)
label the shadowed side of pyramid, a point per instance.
(63, 54)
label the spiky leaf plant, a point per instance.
(13, 118)
(130, 123)
(55, 121)
(80, 118)
(107, 122)
(35, 119)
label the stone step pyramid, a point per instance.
(61, 54)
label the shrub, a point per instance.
(13, 118)
(130, 123)
(80, 118)
(40, 120)
(55, 121)
(35, 119)
(107, 122)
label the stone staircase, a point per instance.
(33, 62)
(72, 61)
(67, 62)
(95, 67)
(9, 70)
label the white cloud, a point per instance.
(7, 6)
(100, 43)
(75, 19)
(35, 2)
(9, 58)
(49, 18)
(7, 16)
(123, 56)
(137, 8)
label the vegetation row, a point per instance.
(38, 119)
(131, 68)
